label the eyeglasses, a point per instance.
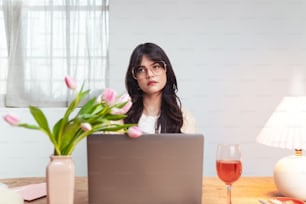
(157, 68)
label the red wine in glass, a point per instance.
(228, 165)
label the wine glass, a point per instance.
(228, 165)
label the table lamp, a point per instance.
(286, 128)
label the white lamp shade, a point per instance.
(286, 128)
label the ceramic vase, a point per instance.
(60, 175)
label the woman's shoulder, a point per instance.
(189, 122)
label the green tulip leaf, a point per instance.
(34, 127)
(87, 107)
(56, 129)
(120, 105)
(115, 117)
(40, 118)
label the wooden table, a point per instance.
(247, 190)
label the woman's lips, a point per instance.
(151, 83)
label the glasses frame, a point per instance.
(163, 62)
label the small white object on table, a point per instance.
(8, 196)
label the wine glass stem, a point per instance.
(229, 194)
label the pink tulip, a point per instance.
(124, 98)
(86, 127)
(12, 120)
(134, 132)
(117, 111)
(70, 82)
(109, 96)
(128, 105)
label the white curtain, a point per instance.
(48, 39)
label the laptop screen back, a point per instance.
(152, 169)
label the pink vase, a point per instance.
(60, 180)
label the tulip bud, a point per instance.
(86, 127)
(99, 99)
(70, 82)
(128, 105)
(116, 111)
(12, 120)
(109, 96)
(124, 98)
(134, 132)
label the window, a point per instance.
(3, 57)
(42, 41)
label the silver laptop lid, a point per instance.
(152, 169)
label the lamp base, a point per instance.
(290, 176)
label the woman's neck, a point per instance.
(152, 104)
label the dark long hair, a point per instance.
(171, 117)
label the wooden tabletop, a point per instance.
(247, 190)
(81, 192)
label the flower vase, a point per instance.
(60, 180)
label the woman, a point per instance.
(151, 84)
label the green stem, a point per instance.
(66, 117)
(77, 140)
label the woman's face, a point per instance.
(151, 76)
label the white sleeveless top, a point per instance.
(147, 123)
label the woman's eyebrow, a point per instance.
(149, 64)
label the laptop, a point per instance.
(151, 169)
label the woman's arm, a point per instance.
(189, 124)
